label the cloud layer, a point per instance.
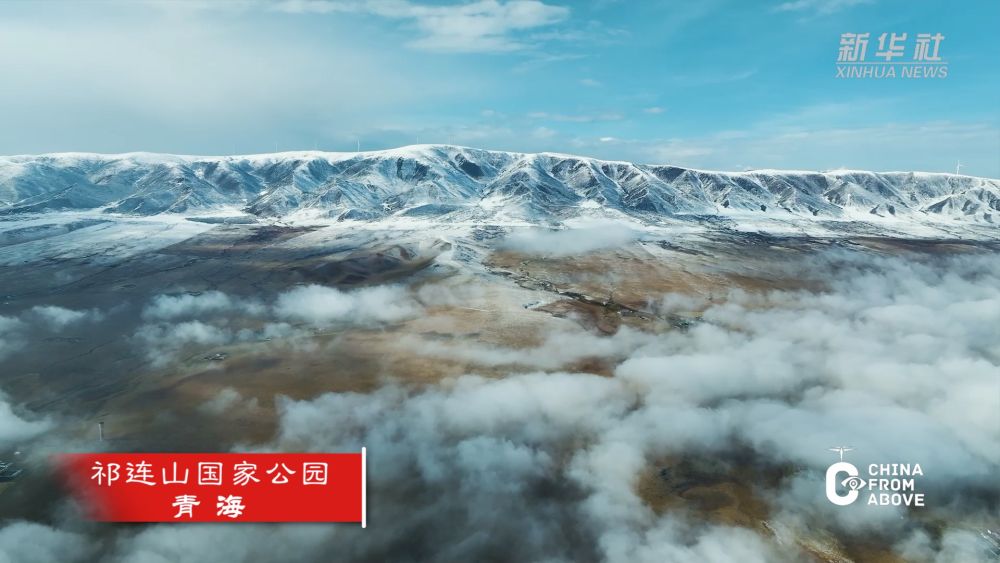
(322, 306)
(897, 357)
(17, 426)
(581, 239)
(179, 323)
(474, 27)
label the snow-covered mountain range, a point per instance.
(436, 180)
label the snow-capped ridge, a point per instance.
(444, 179)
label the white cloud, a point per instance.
(576, 118)
(115, 55)
(897, 357)
(60, 317)
(475, 27)
(819, 7)
(321, 306)
(163, 341)
(785, 374)
(579, 239)
(17, 427)
(228, 400)
(544, 132)
(165, 307)
(11, 335)
(178, 324)
(28, 542)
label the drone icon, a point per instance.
(841, 450)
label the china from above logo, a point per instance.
(887, 484)
(924, 60)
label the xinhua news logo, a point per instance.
(885, 484)
(896, 55)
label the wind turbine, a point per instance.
(958, 167)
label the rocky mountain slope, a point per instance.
(433, 180)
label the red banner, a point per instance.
(218, 487)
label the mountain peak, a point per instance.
(447, 179)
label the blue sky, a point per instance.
(712, 84)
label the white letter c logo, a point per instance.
(831, 483)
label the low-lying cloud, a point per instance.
(30, 542)
(228, 400)
(11, 335)
(167, 307)
(321, 306)
(897, 357)
(182, 322)
(60, 317)
(570, 241)
(164, 341)
(17, 426)
(15, 331)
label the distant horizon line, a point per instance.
(349, 154)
